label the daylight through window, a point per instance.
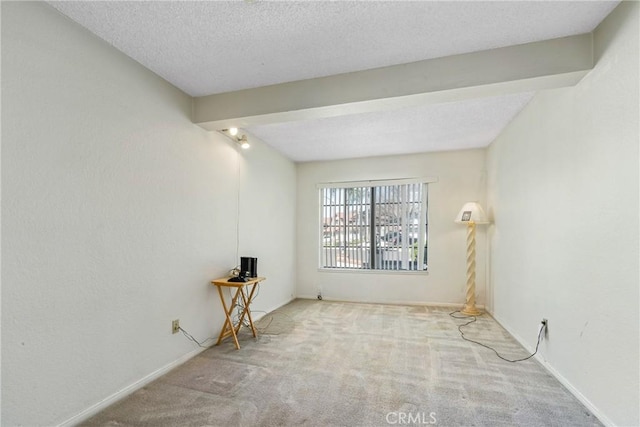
(374, 227)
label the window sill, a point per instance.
(378, 272)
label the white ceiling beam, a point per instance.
(529, 67)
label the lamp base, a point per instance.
(470, 311)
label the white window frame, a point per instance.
(423, 223)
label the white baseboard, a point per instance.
(110, 400)
(412, 303)
(259, 314)
(565, 382)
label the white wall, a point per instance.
(460, 177)
(563, 189)
(117, 212)
(268, 222)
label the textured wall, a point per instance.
(563, 189)
(116, 213)
(460, 178)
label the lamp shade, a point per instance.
(471, 211)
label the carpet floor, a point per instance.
(321, 363)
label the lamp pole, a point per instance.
(471, 214)
(469, 308)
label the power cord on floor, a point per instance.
(189, 336)
(262, 330)
(473, 319)
(265, 330)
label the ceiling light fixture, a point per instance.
(232, 133)
(243, 142)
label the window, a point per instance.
(374, 227)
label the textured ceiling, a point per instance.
(460, 125)
(218, 46)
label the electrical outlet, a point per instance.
(543, 324)
(175, 326)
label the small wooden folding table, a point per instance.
(229, 329)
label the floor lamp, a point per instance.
(471, 214)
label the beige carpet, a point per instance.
(321, 363)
